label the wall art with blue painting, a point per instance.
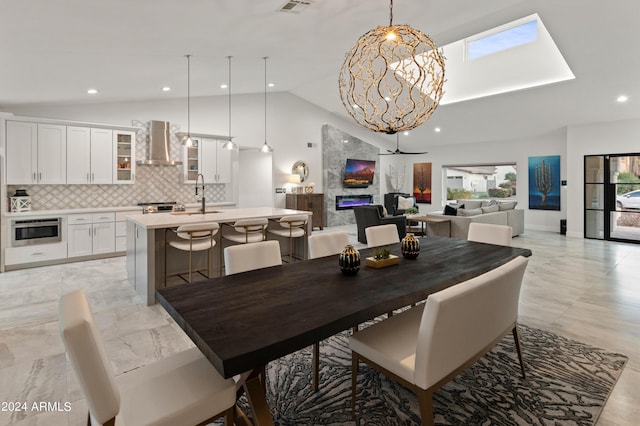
(544, 183)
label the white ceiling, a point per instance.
(53, 51)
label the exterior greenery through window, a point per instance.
(480, 181)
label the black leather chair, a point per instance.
(372, 215)
(391, 202)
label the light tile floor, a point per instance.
(583, 289)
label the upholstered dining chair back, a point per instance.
(382, 235)
(247, 257)
(490, 233)
(327, 243)
(88, 357)
(462, 321)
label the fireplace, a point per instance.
(344, 202)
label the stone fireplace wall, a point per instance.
(337, 146)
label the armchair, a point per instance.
(372, 215)
(391, 202)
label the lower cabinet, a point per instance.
(89, 234)
(37, 253)
(308, 202)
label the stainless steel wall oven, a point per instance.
(35, 231)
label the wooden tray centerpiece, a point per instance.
(382, 258)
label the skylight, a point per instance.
(517, 55)
(502, 40)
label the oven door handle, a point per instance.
(36, 224)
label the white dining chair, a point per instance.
(191, 238)
(292, 227)
(425, 347)
(327, 243)
(381, 235)
(247, 257)
(183, 389)
(489, 233)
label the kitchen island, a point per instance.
(146, 243)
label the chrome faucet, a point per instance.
(202, 187)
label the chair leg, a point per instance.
(516, 338)
(315, 365)
(354, 380)
(426, 406)
(230, 416)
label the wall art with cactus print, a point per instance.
(422, 182)
(544, 183)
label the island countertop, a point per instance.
(174, 219)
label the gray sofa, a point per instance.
(507, 214)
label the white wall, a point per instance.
(254, 192)
(618, 137)
(291, 124)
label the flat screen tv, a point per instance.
(359, 173)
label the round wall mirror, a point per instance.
(300, 168)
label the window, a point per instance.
(502, 40)
(480, 181)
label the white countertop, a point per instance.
(100, 210)
(169, 220)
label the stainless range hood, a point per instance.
(159, 150)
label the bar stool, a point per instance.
(192, 237)
(292, 227)
(244, 231)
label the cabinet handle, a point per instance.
(39, 176)
(89, 232)
(39, 253)
(34, 178)
(93, 177)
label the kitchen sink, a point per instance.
(193, 212)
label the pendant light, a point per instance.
(392, 79)
(230, 143)
(266, 148)
(188, 141)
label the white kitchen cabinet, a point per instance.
(36, 153)
(121, 228)
(89, 155)
(208, 157)
(36, 253)
(90, 234)
(101, 156)
(124, 151)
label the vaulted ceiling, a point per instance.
(53, 51)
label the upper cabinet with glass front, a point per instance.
(124, 148)
(207, 156)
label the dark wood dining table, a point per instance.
(241, 322)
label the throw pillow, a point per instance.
(508, 206)
(469, 212)
(490, 209)
(384, 212)
(405, 203)
(450, 211)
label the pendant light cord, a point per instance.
(229, 58)
(390, 13)
(188, 96)
(265, 99)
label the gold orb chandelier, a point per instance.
(392, 79)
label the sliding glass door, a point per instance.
(612, 197)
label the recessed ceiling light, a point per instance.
(92, 91)
(271, 84)
(223, 86)
(437, 130)
(622, 98)
(406, 133)
(166, 89)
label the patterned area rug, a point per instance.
(568, 383)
